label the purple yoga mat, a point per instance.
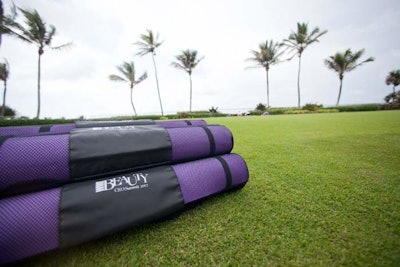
(66, 128)
(202, 178)
(31, 162)
(32, 223)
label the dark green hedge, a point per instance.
(363, 107)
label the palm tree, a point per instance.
(187, 61)
(299, 41)
(37, 32)
(148, 44)
(345, 62)
(127, 69)
(4, 73)
(7, 22)
(393, 78)
(268, 55)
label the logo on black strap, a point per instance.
(123, 183)
(124, 127)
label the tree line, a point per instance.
(36, 31)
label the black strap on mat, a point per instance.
(102, 151)
(4, 138)
(91, 209)
(227, 171)
(189, 123)
(45, 128)
(211, 139)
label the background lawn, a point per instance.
(324, 190)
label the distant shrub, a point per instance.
(390, 106)
(362, 107)
(213, 110)
(328, 110)
(312, 107)
(206, 115)
(255, 112)
(146, 117)
(392, 101)
(261, 107)
(199, 114)
(277, 111)
(297, 111)
(220, 114)
(393, 98)
(8, 112)
(315, 108)
(183, 115)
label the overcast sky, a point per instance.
(75, 81)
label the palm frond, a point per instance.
(393, 78)
(36, 30)
(49, 36)
(361, 63)
(187, 60)
(142, 78)
(12, 27)
(301, 39)
(116, 78)
(269, 53)
(346, 61)
(63, 46)
(178, 66)
(148, 43)
(36, 27)
(13, 11)
(126, 72)
(127, 69)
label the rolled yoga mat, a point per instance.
(29, 163)
(79, 212)
(66, 128)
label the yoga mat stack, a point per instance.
(64, 185)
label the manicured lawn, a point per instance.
(324, 190)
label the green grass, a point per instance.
(324, 190)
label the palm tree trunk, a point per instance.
(190, 107)
(134, 110)
(394, 93)
(38, 92)
(3, 109)
(158, 87)
(298, 83)
(267, 89)
(340, 91)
